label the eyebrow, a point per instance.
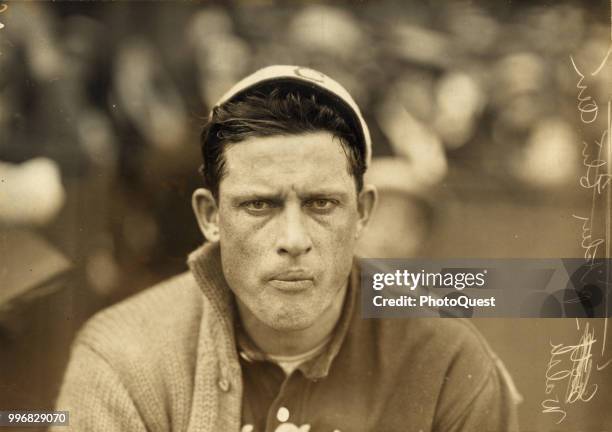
(277, 197)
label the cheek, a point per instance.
(237, 231)
(343, 236)
(241, 247)
(338, 239)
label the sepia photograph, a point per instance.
(306, 216)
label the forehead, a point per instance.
(302, 162)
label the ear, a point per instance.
(207, 213)
(366, 203)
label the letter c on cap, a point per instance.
(309, 74)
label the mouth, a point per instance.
(292, 281)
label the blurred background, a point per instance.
(473, 112)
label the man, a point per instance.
(264, 333)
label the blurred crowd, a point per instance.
(101, 105)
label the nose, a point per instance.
(293, 237)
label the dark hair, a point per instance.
(274, 112)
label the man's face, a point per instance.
(288, 219)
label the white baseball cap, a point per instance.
(310, 79)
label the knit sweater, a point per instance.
(163, 360)
(166, 360)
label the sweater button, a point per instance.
(224, 384)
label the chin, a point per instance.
(287, 322)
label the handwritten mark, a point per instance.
(596, 181)
(588, 244)
(551, 406)
(570, 365)
(3, 8)
(605, 365)
(582, 361)
(603, 63)
(586, 104)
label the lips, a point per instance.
(293, 275)
(292, 280)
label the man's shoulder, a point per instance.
(460, 370)
(451, 331)
(438, 340)
(161, 319)
(448, 358)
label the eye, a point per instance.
(257, 206)
(321, 204)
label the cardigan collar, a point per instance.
(205, 265)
